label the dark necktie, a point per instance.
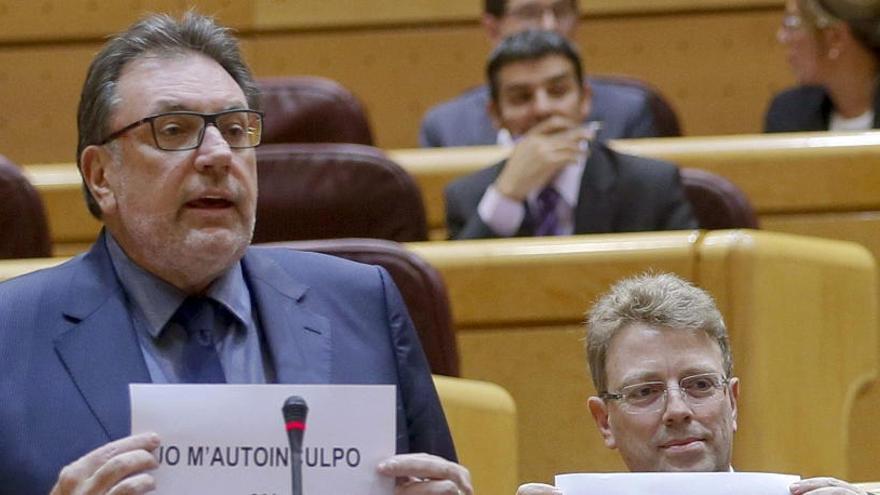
(200, 317)
(546, 219)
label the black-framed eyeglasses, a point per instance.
(651, 397)
(182, 130)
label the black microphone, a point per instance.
(295, 411)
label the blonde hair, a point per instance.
(662, 300)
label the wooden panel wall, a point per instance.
(716, 60)
(718, 69)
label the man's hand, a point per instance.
(537, 489)
(425, 474)
(547, 148)
(118, 467)
(824, 486)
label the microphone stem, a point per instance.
(296, 473)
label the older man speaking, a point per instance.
(168, 122)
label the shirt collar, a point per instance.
(568, 180)
(157, 300)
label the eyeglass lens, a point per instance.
(696, 390)
(180, 131)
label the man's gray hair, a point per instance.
(660, 300)
(156, 34)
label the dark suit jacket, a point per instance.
(619, 193)
(805, 108)
(68, 352)
(464, 121)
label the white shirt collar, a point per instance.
(863, 122)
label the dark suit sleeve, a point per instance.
(786, 113)
(476, 229)
(679, 213)
(649, 196)
(798, 109)
(673, 211)
(426, 427)
(774, 116)
(462, 198)
(455, 217)
(461, 225)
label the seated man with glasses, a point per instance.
(660, 360)
(172, 292)
(624, 111)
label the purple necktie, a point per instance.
(546, 220)
(199, 317)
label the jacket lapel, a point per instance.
(527, 227)
(100, 350)
(298, 339)
(595, 208)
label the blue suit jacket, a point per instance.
(464, 120)
(68, 352)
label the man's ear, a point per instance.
(586, 100)
(96, 163)
(599, 410)
(734, 396)
(492, 26)
(494, 113)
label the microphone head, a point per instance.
(295, 411)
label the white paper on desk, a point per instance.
(731, 483)
(231, 439)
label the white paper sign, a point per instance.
(675, 483)
(232, 440)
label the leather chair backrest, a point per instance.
(24, 232)
(307, 109)
(332, 190)
(420, 285)
(665, 118)
(717, 202)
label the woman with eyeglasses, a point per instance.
(834, 50)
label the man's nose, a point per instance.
(549, 22)
(214, 153)
(542, 103)
(677, 408)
